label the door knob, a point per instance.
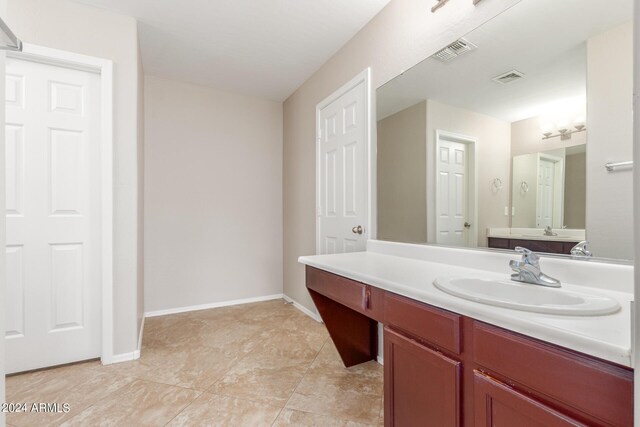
(357, 230)
(467, 225)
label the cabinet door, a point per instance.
(422, 386)
(499, 405)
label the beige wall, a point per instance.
(609, 221)
(401, 35)
(213, 195)
(575, 190)
(401, 176)
(492, 161)
(65, 25)
(525, 169)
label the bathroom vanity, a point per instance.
(451, 362)
(471, 152)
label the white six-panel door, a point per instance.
(452, 193)
(342, 174)
(53, 215)
(546, 181)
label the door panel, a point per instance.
(343, 180)
(422, 386)
(53, 215)
(498, 405)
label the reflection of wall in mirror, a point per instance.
(526, 143)
(525, 170)
(401, 173)
(575, 190)
(493, 161)
(526, 138)
(609, 222)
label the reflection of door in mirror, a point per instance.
(550, 197)
(546, 190)
(455, 190)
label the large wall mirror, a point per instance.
(501, 138)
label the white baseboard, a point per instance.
(123, 357)
(211, 305)
(140, 335)
(380, 360)
(302, 308)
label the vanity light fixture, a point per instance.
(564, 133)
(8, 40)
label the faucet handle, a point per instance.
(580, 250)
(528, 256)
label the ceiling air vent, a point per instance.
(508, 77)
(454, 50)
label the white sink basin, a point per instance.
(521, 296)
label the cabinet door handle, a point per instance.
(367, 297)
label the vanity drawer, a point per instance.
(439, 327)
(340, 289)
(594, 387)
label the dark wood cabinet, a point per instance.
(445, 369)
(422, 386)
(547, 246)
(497, 404)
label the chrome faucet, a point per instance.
(527, 270)
(548, 231)
(580, 250)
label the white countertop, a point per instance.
(607, 337)
(566, 235)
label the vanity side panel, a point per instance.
(594, 387)
(354, 334)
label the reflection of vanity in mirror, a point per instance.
(501, 138)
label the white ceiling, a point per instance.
(544, 39)
(256, 47)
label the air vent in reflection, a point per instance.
(509, 77)
(454, 50)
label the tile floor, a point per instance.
(263, 364)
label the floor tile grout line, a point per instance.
(92, 404)
(240, 359)
(301, 379)
(184, 409)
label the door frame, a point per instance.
(104, 68)
(472, 197)
(369, 162)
